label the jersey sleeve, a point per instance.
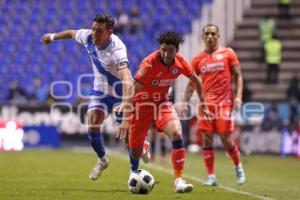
(233, 59)
(186, 68)
(120, 55)
(143, 71)
(82, 35)
(195, 66)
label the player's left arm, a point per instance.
(236, 72)
(127, 98)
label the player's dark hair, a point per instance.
(209, 25)
(170, 37)
(106, 19)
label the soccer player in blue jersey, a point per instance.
(110, 66)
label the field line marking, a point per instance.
(123, 156)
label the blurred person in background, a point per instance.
(284, 9)
(267, 28)
(122, 22)
(273, 58)
(217, 66)
(16, 94)
(271, 121)
(135, 22)
(157, 136)
(113, 82)
(40, 92)
(293, 96)
(247, 93)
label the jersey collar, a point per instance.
(106, 45)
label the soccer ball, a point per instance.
(140, 182)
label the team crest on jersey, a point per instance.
(105, 57)
(219, 57)
(154, 82)
(174, 71)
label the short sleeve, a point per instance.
(119, 55)
(186, 68)
(232, 58)
(82, 35)
(141, 74)
(195, 66)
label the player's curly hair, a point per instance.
(106, 19)
(170, 37)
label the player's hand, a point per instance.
(123, 130)
(238, 103)
(46, 38)
(207, 114)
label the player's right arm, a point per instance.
(50, 37)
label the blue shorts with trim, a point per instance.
(99, 100)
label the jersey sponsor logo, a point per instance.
(165, 82)
(162, 83)
(213, 67)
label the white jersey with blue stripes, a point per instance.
(104, 61)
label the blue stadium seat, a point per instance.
(22, 48)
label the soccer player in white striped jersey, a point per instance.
(113, 82)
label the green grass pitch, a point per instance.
(63, 175)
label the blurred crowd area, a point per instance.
(27, 68)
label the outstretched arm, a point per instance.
(50, 37)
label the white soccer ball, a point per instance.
(140, 182)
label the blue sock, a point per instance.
(134, 163)
(96, 141)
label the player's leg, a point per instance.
(173, 130)
(137, 133)
(208, 156)
(170, 124)
(95, 119)
(134, 162)
(225, 126)
(205, 130)
(152, 134)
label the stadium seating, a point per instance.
(24, 22)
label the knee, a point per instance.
(227, 142)
(177, 135)
(208, 141)
(207, 144)
(94, 128)
(94, 123)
